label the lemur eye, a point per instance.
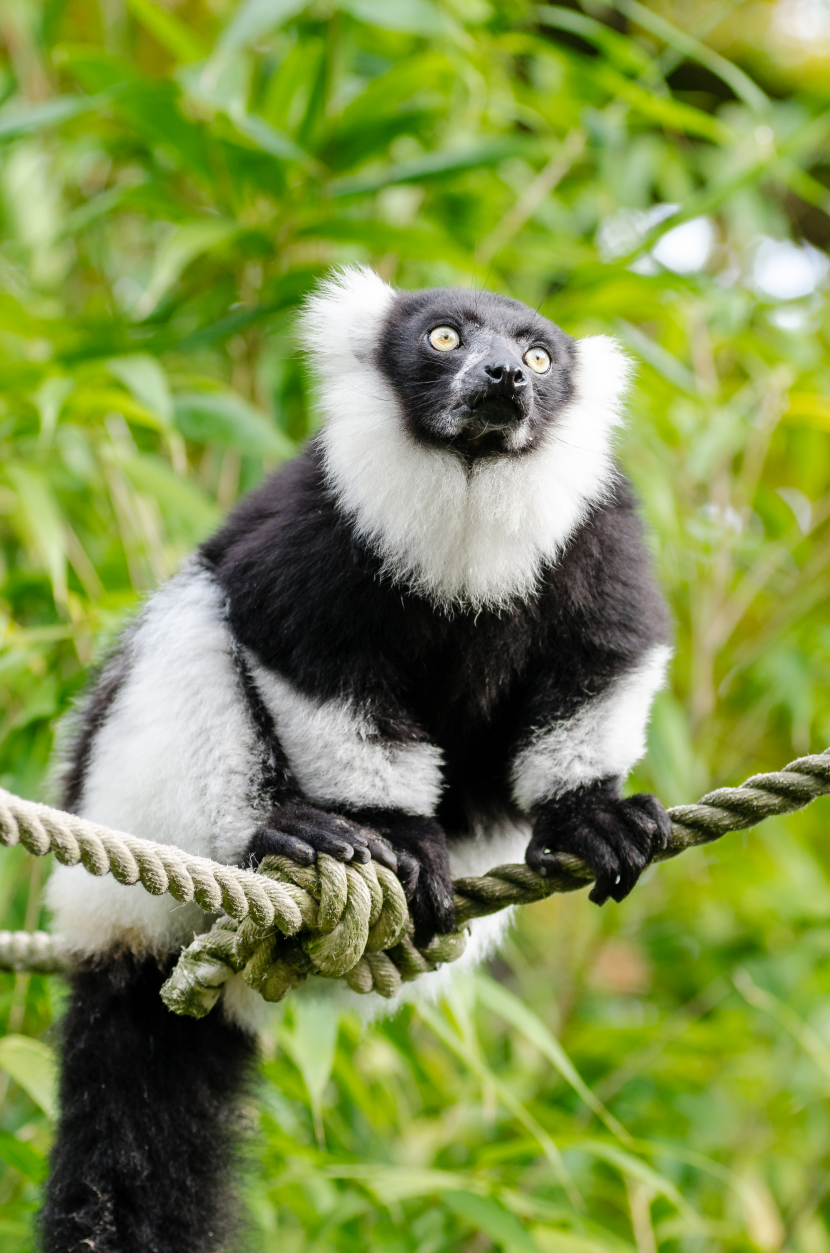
(538, 360)
(444, 338)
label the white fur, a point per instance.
(338, 757)
(475, 536)
(174, 764)
(606, 736)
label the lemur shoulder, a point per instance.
(433, 638)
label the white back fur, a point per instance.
(174, 763)
(460, 536)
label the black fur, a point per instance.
(91, 716)
(144, 1153)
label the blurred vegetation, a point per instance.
(174, 176)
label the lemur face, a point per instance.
(476, 373)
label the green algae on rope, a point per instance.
(333, 919)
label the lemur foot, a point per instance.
(617, 836)
(420, 846)
(300, 831)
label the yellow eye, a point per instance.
(538, 360)
(444, 338)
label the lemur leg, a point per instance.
(617, 836)
(144, 1153)
(415, 848)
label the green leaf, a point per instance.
(636, 1168)
(184, 244)
(492, 1219)
(32, 1065)
(173, 35)
(182, 502)
(670, 113)
(471, 1058)
(436, 165)
(42, 521)
(502, 1002)
(392, 1184)
(742, 85)
(311, 1043)
(658, 357)
(411, 17)
(625, 52)
(225, 419)
(24, 119)
(267, 138)
(255, 18)
(23, 1157)
(145, 378)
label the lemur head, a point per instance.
(476, 373)
(464, 436)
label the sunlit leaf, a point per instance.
(227, 420)
(42, 523)
(147, 381)
(23, 1157)
(172, 34)
(488, 1216)
(32, 1065)
(503, 1002)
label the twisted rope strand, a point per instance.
(334, 919)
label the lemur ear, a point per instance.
(604, 375)
(342, 319)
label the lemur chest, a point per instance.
(466, 691)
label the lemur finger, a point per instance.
(649, 806)
(408, 872)
(327, 835)
(432, 908)
(383, 852)
(606, 863)
(267, 841)
(630, 845)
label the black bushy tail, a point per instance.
(145, 1151)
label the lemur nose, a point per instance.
(506, 373)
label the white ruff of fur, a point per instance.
(476, 537)
(602, 739)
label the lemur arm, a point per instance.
(366, 784)
(568, 777)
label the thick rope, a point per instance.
(333, 919)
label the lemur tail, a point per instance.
(144, 1155)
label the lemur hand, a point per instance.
(415, 849)
(617, 836)
(300, 831)
(423, 867)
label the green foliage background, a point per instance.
(174, 176)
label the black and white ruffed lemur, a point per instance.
(434, 637)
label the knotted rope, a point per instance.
(337, 920)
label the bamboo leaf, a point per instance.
(173, 35)
(225, 419)
(23, 1157)
(512, 1010)
(489, 1217)
(184, 244)
(32, 1065)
